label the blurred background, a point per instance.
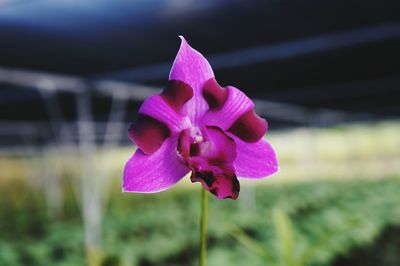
(326, 75)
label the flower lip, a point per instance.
(210, 154)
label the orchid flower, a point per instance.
(196, 125)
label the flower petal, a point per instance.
(155, 106)
(214, 94)
(249, 127)
(155, 172)
(176, 94)
(148, 133)
(235, 114)
(255, 160)
(235, 105)
(192, 68)
(159, 116)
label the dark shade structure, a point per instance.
(304, 62)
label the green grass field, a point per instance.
(304, 224)
(335, 202)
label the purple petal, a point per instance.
(159, 116)
(155, 106)
(235, 105)
(192, 68)
(255, 160)
(155, 172)
(148, 133)
(236, 114)
(249, 127)
(176, 94)
(214, 94)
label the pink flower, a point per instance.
(196, 125)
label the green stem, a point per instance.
(203, 227)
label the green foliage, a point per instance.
(346, 216)
(286, 224)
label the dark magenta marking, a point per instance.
(226, 183)
(249, 127)
(235, 186)
(176, 94)
(184, 146)
(194, 149)
(214, 94)
(206, 176)
(148, 133)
